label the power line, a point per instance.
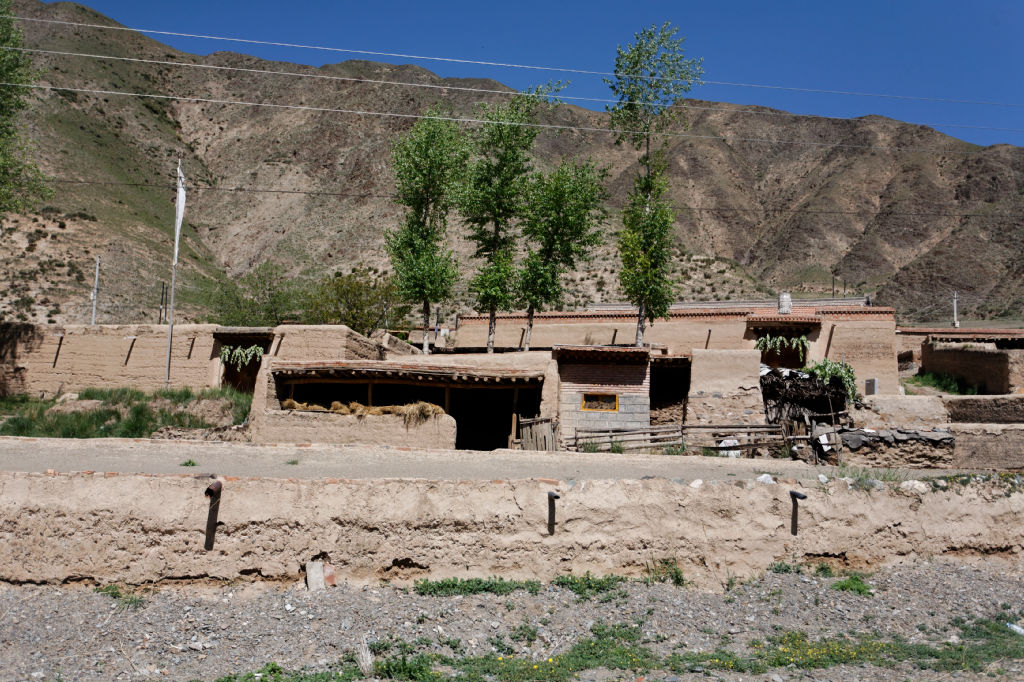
(456, 119)
(434, 86)
(213, 188)
(553, 69)
(708, 209)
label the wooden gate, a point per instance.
(537, 433)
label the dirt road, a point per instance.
(358, 462)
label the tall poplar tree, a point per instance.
(21, 182)
(564, 212)
(429, 162)
(651, 77)
(494, 198)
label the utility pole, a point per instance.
(95, 291)
(956, 320)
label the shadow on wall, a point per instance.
(13, 335)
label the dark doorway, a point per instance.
(484, 415)
(670, 384)
(242, 378)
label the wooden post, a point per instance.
(447, 399)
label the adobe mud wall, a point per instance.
(293, 426)
(985, 409)
(986, 368)
(141, 529)
(46, 360)
(988, 446)
(725, 388)
(863, 337)
(66, 359)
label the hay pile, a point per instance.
(413, 413)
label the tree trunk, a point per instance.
(529, 327)
(426, 327)
(491, 315)
(641, 319)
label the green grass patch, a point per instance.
(114, 396)
(589, 586)
(240, 402)
(853, 583)
(124, 600)
(783, 567)
(454, 586)
(947, 383)
(985, 645)
(123, 413)
(663, 571)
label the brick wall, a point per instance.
(630, 382)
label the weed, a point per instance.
(823, 570)
(124, 600)
(783, 567)
(189, 463)
(419, 667)
(616, 447)
(524, 633)
(675, 450)
(178, 396)
(947, 383)
(240, 402)
(664, 570)
(854, 583)
(588, 586)
(588, 447)
(454, 586)
(453, 643)
(381, 646)
(500, 645)
(292, 461)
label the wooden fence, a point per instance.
(691, 437)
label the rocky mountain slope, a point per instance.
(765, 200)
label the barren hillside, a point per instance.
(784, 202)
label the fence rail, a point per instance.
(708, 437)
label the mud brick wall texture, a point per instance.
(54, 359)
(985, 409)
(987, 369)
(988, 446)
(138, 529)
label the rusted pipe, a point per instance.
(213, 492)
(552, 496)
(794, 495)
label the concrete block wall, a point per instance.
(630, 382)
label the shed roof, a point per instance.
(404, 372)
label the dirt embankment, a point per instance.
(140, 529)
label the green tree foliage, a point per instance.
(428, 162)
(21, 182)
(264, 297)
(561, 223)
(359, 300)
(645, 248)
(651, 76)
(493, 197)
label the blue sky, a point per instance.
(915, 48)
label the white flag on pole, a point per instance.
(179, 211)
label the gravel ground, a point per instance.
(190, 632)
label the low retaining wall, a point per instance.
(989, 446)
(141, 529)
(292, 426)
(899, 448)
(985, 409)
(986, 368)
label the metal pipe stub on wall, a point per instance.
(552, 496)
(794, 495)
